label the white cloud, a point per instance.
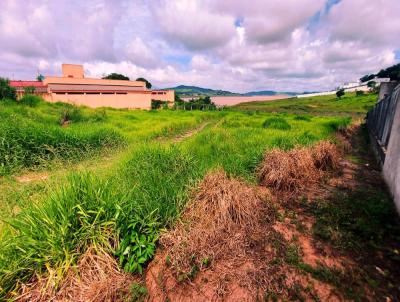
(233, 45)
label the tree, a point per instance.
(148, 84)
(367, 78)
(116, 76)
(340, 93)
(40, 77)
(392, 72)
(6, 91)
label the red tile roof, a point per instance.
(26, 84)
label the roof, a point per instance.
(26, 84)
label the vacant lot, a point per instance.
(81, 185)
(349, 105)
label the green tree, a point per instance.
(392, 72)
(116, 76)
(6, 91)
(40, 77)
(367, 78)
(148, 84)
(340, 93)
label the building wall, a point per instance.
(163, 95)
(88, 81)
(114, 100)
(72, 71)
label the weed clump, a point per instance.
(30, 100)
(96, 277)
(326, 156)
(213, 225)
(70, 113)
(296, 169)
(276, 123)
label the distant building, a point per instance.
(74, 88)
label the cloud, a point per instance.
(190, 23)
(232, 45)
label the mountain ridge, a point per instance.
(192, 91)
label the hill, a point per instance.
(268, 92)
(188, 91)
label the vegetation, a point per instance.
(392, 72)
(6, 91)
(340, 93)
(116, 76)
(201, 103)
(121, 203)
(320, 105)
(148, 84)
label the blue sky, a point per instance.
(291, 45)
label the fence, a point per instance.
(380, 121)
(383, 123)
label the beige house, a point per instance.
(74, 88)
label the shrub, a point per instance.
(340, 93)
(359, 93)
(276, 123)
(6, 91)
(156, 104)
(30, 100)
(70, 113)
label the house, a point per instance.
(72, 87)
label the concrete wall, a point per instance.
(385, 89)
(391, 167)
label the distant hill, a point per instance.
(189, 91)
(192, 91)
(268, 92)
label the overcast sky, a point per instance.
(284, 45)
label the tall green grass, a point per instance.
(124, 212)
(25, 143)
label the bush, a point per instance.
(340, 93)
(276, 123)
(70, 113)
(359, 93)
(156, 104)
(6, 91)
(30, 100)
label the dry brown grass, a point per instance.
(326, 156)
(297, 169)
(96, 278)
(207, 230)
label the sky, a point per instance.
(235, 45)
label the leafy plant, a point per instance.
(138, 244)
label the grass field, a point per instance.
(115, 178)
(350, 104)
